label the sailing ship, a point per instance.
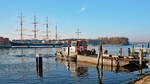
(35, 42)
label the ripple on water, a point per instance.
(18, 66)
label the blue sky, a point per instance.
(95, 18)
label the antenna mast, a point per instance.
(78, 32)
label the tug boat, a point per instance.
(77, 47)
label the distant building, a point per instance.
(5, 42)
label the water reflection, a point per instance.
(48, 55)
(99, 75)
(140, 72)
(80, 69)
(24, 56)
(22, 61)
(19, 66)
(39, 61)
(4, 51)
(77, 71)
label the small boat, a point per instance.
(77, 47)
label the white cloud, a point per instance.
(82, 9)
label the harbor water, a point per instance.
(18, 66)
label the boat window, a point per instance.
(79, 44)
(84, 43)
(74, 43)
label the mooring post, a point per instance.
(85, 52)
(129, 52)
(111, 63)
(39, 65)
(68, 50)
(133, 50)
(99, 55)
(142, 46)
(120, 51)
(140, 57)
(140, 61)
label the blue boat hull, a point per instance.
(29, 45)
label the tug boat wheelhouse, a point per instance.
(77, 47)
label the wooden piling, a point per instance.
(85, 53)
(100, 49)
(120, 51)
(140, 57)
(129, 52)
(140, 61)
(133, 50)
(68, 50)
(99, 55)
(142, 46)
(39, 65)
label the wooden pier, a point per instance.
(108, 59)
(73, 65)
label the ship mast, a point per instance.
(47, 35)
(35, 29)
(56, 32)
(21, 26)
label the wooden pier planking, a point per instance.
(106, 60)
